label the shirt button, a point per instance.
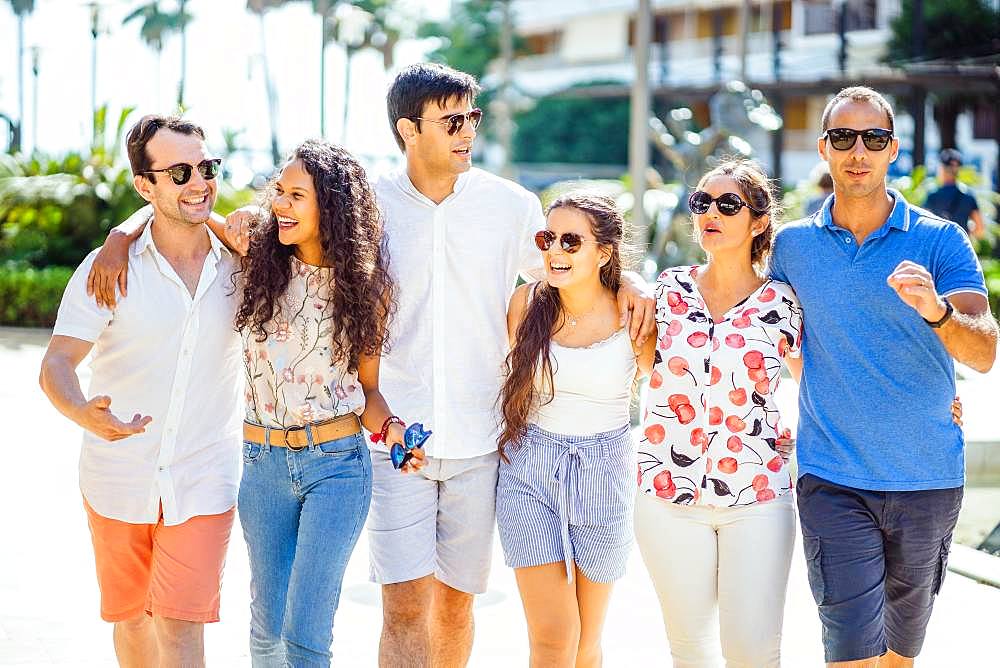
(847, 240)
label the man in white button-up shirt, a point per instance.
(458, 238)
(159, 464)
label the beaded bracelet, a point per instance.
(392, 419)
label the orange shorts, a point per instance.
(167, 571)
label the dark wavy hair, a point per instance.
(351, 232)
(519, 396)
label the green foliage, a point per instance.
(579, 130)
(991, 269)
(54, 210)
(955, 29)
(157, 24)
(30, 297)
(470, 36)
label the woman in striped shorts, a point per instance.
(566, 486)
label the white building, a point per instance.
(696, 46)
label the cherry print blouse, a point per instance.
(710, 424)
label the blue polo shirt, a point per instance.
(877, 383)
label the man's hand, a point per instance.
(110, 268)
(238, 226)
(956, 411)
(915, 286)
(96, 417)
(637, 307)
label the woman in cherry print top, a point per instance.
(714, 519)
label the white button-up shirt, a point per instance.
(456, 264)
(176, 358)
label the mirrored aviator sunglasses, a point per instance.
(570, 242)
(181, 173)
(456, 122)
(728, 204)
(843, 139)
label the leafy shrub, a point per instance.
(30, 297)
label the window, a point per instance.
(821, 15)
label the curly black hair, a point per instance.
(351, 234)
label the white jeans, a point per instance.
(729, 564)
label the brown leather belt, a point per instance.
(297, 437)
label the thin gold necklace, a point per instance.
(572, 320)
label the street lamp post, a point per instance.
(94, 29)
(638, 154)
(34, 98)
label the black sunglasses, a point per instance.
(568, 241)
(844, 139)
(728, 204)
(181, 172)
(455, 122)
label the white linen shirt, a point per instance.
(177, 359)
(456, 264)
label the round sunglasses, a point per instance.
(181, 172)
(568, 241)
(728, 204)
(456, 122)
(844, 139)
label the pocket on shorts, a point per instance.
(611, 489)
(252, 452)
(942, 564)
(814, 566)
(341, 447)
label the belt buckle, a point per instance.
(288, 444)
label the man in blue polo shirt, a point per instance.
(891, 296)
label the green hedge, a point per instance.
(30, 297)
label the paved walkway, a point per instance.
(48, 596)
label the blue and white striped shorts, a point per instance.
(568, 498)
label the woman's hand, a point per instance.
(238, 226)
(110, 270)
(785, 445)
(395, 435)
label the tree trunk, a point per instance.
(272, 105)
(946, 116)
(180, 86)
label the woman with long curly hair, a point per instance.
(564, 497)
(316, 295)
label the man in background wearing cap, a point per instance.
(952, 200)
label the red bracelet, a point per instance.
(392, 419)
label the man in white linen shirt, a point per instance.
(458, 238)
(160, 486)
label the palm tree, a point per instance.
(156, 27)
(22, 8)
(357, 25)
(258, 7)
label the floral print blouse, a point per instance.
(710, 424)
(290, 377)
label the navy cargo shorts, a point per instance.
(876, 561)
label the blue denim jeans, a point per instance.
(302, 512)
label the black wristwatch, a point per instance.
(948, 310)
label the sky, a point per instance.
(225, 86)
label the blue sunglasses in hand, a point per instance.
(414, 437)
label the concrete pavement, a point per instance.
(48, 594)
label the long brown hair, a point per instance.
(758, 191)
(519, 396)
(351, 230)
